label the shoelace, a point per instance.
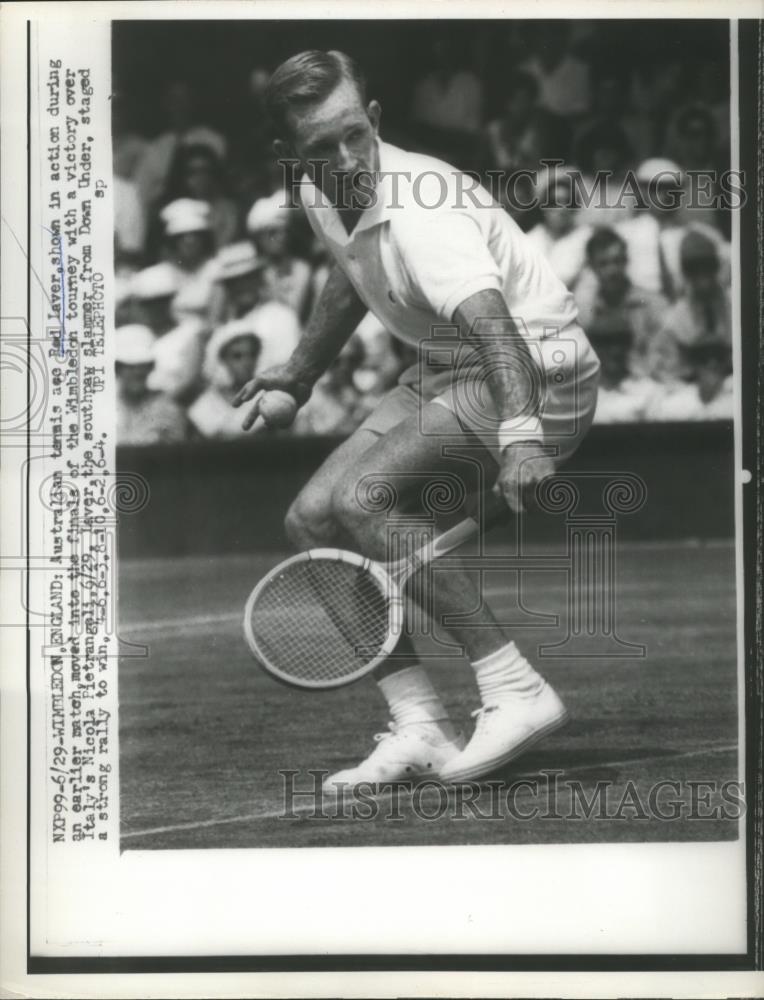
(481, 715)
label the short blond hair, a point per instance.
(308, 78)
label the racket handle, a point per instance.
(494, 510)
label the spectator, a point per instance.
(179, 348)
(611, 302)
(520, 138)
(286, 278)
(709, 396)
(606, 154)
(336, 406)
(240, 274)
(179, 110)
(703, 313)
(143, 416)
(129, 234)
(196, 174)
(693, 140)
(230, 361)
(252, 169)
(379, 366)
(654, 235)
(564, 87)
(447, 105)
(634, 130)
(188, 231)
(558, 236)
(603, 147)
(654, 89)
(622, 397)
(127, 146)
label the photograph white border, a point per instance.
(151, 897)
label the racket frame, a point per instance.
(389, 589)
(390, 579)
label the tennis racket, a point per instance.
(327, 617)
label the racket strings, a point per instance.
(321, 619)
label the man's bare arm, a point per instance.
(514, 380)
(337, 313)
(511, 371)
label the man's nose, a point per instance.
(345, 158)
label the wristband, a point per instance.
(518, 429)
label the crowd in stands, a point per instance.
(217, 275)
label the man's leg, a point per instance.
(310, 521)
(414, 704)
(518, 705)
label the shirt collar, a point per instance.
(377, 213)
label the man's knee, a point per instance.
(355, 513)
(309, 522)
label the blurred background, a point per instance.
(216, 278)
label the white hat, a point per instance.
(236, 259)
(268, 213)
(155, 282)
(215, 371)
(135, 345)
(186, 215)
(658, 168)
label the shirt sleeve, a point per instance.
(446, 259)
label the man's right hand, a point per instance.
(277, 377)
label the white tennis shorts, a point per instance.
(564, 394)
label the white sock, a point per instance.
(414, 701)
(506, 674)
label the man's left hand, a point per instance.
(523, 466)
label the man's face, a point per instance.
(190, 249)
(271, 242)
(703, 282)
(239, 357)
(157, 313)
(342, 132)
(243, 292)
(133, 379)
(199, 178)
(609, 266)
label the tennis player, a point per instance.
(421, 245)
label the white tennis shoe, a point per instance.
(504, 731)
(402, 754)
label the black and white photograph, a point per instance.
(380, 499)
(375, 282)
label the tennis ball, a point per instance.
(278, 408)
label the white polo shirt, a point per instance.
(432, 239)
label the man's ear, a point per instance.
(374, 113)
